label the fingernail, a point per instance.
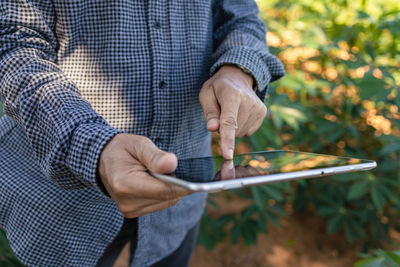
(230, 154)
(231, 166)
(212, 123)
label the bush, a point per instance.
(380, 258)
(340, 96)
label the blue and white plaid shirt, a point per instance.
(73, 73)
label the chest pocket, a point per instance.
(198, 23)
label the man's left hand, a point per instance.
(231, 106)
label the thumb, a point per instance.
(152, 157)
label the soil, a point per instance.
(300, 241)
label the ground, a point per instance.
(300, 241)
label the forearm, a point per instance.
(61, 126)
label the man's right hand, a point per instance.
(122, 169)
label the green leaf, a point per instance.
(278, 210)
(272, 192)
(272, 217)
(335, 136)
(372, 87)
(235, 233)
(390, 148)
(350, 233)
(327, 211)
(289, 115)
(389, 190)
(377, 198)
(354, 131)
(249, 233)
(370, 262)
(258, 198)
(334, 224)
(362, 15)
(358, 190)
(248, 212)
(261, 222)
(391, 259)
(270, 134)
(256, 142)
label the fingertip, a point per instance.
(213, 125)
(168, 163)
(227, 135)
(227, 148)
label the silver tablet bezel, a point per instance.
(265, 179)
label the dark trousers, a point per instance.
(179, 258)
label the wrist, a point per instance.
(88, 142)
(242, 72)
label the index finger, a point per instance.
(228, 125)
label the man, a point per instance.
(95, 93)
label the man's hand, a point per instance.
(122, 169)
(231, 106)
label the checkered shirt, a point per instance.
(74, 73)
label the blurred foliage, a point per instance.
(7, 258)
(340, 96)
(380, 258)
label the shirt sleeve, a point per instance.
(66, 134)
(239, 38)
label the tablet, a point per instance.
(212, 174)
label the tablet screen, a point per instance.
(210, 169)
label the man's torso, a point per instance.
(141, 65)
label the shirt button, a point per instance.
(162, 84)
(157, 25)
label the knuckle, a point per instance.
(229, 120)
(204, 91)
(169, 193)
(251, 131)
(202, 96)
(211, 113)
(137, 144)
(142, 146)
(153, 159)
(143, 141)
(206, 85)
(119, 188)
(240, 134)
(237, 93)
(264, 110)
(220, 83)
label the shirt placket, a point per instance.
(161, 52)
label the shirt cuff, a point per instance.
(265, 68)
(87, 144)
